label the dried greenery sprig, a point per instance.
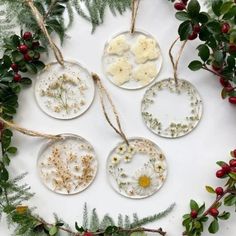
(194, 222)
(216, 29)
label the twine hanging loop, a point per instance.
(134, 9)
(40, 20)
(103, 94)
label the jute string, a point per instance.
(40, 20)
(134, 8)
(176, 63)
(28, 132)
(103, 94)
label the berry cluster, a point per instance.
(28, 48)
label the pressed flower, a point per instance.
(145, 49)
(145, 73)
(115, 160)
(145, 182)
(121, 149)
(121, 71)
(160, 167)
(118, 45)
(127, 158)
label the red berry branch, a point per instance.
(217, 33)
(194, 222)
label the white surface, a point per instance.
(191, 159)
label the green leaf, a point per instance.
(193, 8)
(221, 163)
(201, 209)
(230, 200)
(12, 150)
(39, 65)
(111, 230)
(224, 216)
(53, 230)
(203, 52)
(7, 61)
(182, 15)
(203, 17)
(194, 205)
(209, 189)
(32, 69)
(233, 176)
(226, 7)
(214, 227)
(216, 6)
(219, 57)
(213, 27)
(185, 29)
(26, 81)
(230, 14)
(1, 191)
(224, 93)
(231, 62)
(79, 229)
(4, 175)
(17, 56)
(195, 65)
(6, 160)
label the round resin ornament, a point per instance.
(132, 60)
(64, 92)
(67, 166)
(138, 170)
(171, 110)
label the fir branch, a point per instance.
(85, 217)
(94, 222)
(153, 218)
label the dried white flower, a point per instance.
(118, 45)
(145, 49)
(145, 73)
(121, 71)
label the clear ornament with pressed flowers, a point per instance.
(64, 92)
(67, 166)
(137, 170)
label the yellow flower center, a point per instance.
(144, 181)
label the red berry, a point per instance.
(35, 44)
(192, 36)
(23, 48)
(229, 88)
(185, 2)
(27, 35)
(194, 214)
(232, 48)
(87, 234)
(219, 191)
(220, 174)
(232, 100)
(232, 163)
(216, 68)
(14, 67)
(226, 168)
(17, 77)
(179, 6)
(234, 153)
(214, 212)
(197, 28)
(27, 57)
(1, 126)
(224, 82)
(225, 28)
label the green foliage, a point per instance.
(217, 50)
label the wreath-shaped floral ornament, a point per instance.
(159, 120)
(138, 170)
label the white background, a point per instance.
(191, 159)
